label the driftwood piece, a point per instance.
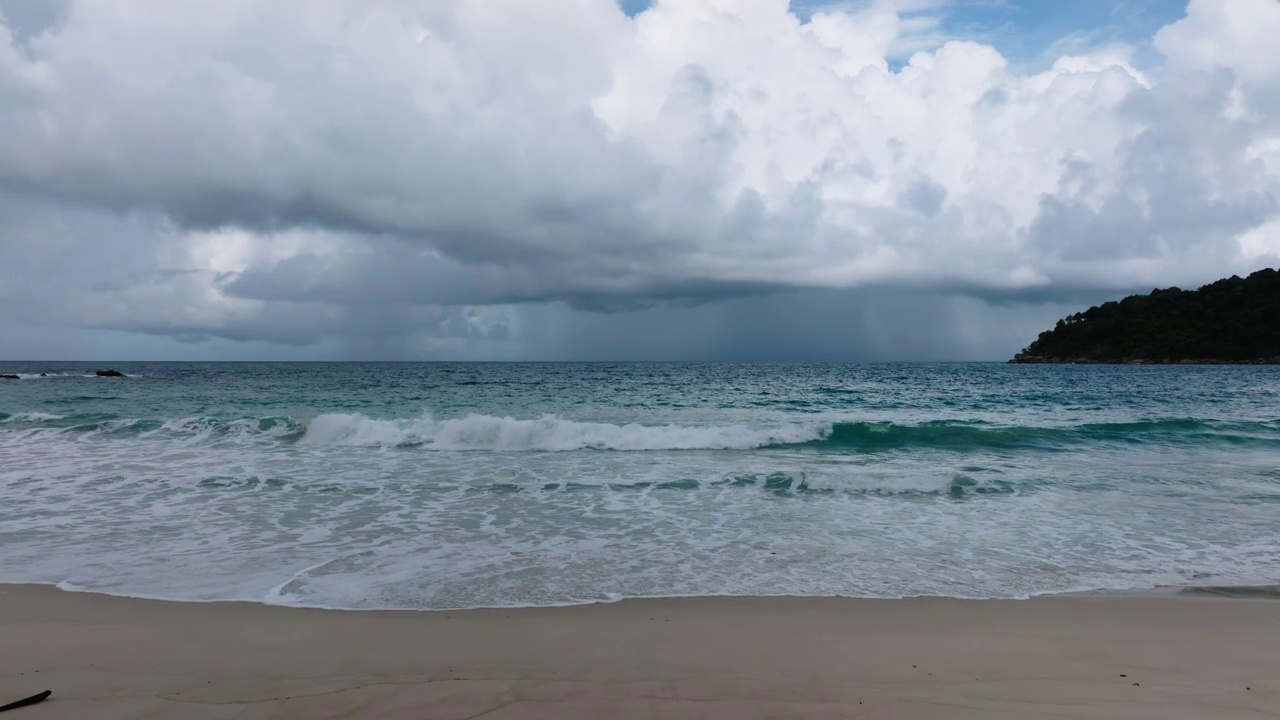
(27, 701)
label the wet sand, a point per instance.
(1159, 657)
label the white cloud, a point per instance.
(261, 168)
(1238, 35)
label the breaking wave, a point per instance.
(29, 417)
(55, 375)
(487, 432)
(554, 434)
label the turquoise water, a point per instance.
(463, 485)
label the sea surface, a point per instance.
(465, 485)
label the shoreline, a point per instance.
(1239, 592)
(1135, 655)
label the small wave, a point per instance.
(192, 430)
(45, 376)
(195, 430)
(57, 375)
(957, 485)
(548, 434)
(478, 432)
(29, 417)
(959, 435)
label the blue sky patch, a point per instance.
(1027, 31)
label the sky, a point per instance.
(586, 180)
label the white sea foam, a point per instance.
(44, 376)
(892, 482)
(321, 526)
(33, 417)
(548, 433)
(357, 429)
(197, 430)
(184, 496)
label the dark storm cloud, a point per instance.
(387, 272)
(527, 178)
(815, 325)
(28, 18)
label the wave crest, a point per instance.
(29, 417)
(547, 434)
(961, 435)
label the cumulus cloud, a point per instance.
(437, 176)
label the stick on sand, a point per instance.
(27, 701)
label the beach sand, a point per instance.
(1154, 657)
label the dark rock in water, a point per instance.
(110, 373)
(44, 375)
(9, 377)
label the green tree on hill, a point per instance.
(1234, 320)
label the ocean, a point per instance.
(432, 486)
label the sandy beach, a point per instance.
(1068, 657)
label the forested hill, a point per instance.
(1236, 320)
